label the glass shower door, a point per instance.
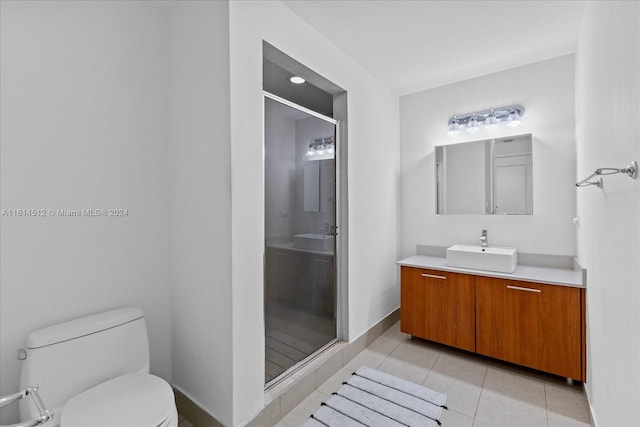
(300, 246)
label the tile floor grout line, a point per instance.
(484, 378)
(546, 404)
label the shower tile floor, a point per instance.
(293, 333)
(481, 392)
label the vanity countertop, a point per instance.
(289, 246)
(527, 273)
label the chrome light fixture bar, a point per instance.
(322, 148)
(490, 119)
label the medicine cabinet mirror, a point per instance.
(488, 177)
(319, 185)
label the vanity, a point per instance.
(526, 309)
(534, 316)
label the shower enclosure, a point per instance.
(300, 231)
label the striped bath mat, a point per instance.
(373, 398)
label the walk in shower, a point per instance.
(300, 232)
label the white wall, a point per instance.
(201, 205)
(546, 90)
(280, 170)
(373, 183)
(608, 135)
(84, 124)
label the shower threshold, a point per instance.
(286, 375)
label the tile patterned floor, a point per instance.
(481, 392)
(183, 422)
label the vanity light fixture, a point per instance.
(490, 119)
(321, 147)
(297, 80)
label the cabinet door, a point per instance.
(530, 324)
(438, 306)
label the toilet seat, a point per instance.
(130, 400)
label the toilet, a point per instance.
(94, 371)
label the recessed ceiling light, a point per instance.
(297, 80)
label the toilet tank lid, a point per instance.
(81, 327)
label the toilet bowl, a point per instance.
(128, 400)
(94, 371)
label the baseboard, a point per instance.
(592, 412)
(193, 410)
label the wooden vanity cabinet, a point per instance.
(438, 306)
(531, 324)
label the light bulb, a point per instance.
(454, 128)
(491, 123)
(513, 120)
(297, 80)
(472, 125)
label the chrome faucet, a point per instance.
(326, 230)
(483, 239)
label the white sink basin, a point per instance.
(313, 242)
(492, 258)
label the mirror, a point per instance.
(319, 185)
(488, 177)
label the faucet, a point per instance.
(325, 229)
(483, 239)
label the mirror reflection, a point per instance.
(488, 177)
(319, 185)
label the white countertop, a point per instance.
(289, 246)
(527, 273)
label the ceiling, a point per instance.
(416, 45)
(275, 80)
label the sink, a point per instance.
(313, 242)
(493, 258)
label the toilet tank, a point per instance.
(71, 357)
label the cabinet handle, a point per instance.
(433, 276)
(518, 288)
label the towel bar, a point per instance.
(631, 170)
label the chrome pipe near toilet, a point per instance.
(45, 414)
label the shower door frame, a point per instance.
(338, 263)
